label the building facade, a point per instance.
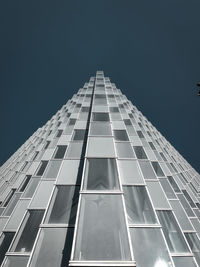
(98, 185)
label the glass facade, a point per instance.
(98, 185)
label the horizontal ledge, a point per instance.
(103, 263)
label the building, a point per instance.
(98, 185)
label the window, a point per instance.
(63, 205)
(124, 150)
(42, 195)
(194, 244)
(69, 172)
(5, 241)
(49, 249)
(129, 172)
(181, 215)
(79, 135)
(120, 135)
(97, 116)
(138, 205)
(47, 144)
(167, 188)
(16, 261)
(8, 198)
(157, 168)
(184, 261)
(101, 128)
(52, 169)
(173, 184)
(101, 174)
(100, 147)
(72, 122)
(27, 234)
(17, 214)
(42, 168)
(25, 183)
(139, 151)
(147, 170)
(114, 109)
(74, 150)
(101, 233)
(152, 146)
(59, 133)
(60, 152)
(149, 254)
(172, 232)
(140, 134)
(31, 188)
(12, 204)
(157, 194)
(35, 155)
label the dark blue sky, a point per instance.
(150, 49)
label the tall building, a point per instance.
(98, 185)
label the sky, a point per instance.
(149, 49)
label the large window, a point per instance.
(120, 135)
(5, 241)
(101, 174)
(27, 234)
(63, 205)
(149, 248)
(100, 116)
(60, 152)
(138, 205)
(172, 232)
(49, 248)
(101, 233)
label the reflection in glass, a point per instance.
(152, 252)
(27, 234)
(138, 205)
(5, 241)
(101, 233)
(147, 170)
(63, 205)
(120, 135)
(16, 261)
(172, 232)
(101, 174)
(49, 249)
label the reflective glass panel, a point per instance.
(100, 116)
(157, 169)
(63, 205)
(124, 150)
(129, 172)
(16, 261)
(49, 249)
(172, 232)
(184, 261)
(120, 135)
(60, 152)
(102, 233)
(5, 241)
(138, 205)
(52, 170)
(101, 174)
(152, 252)
(79, 135)
(157, 195)
(27, 234)
(147, 170)
(102, 128)
(140, 153)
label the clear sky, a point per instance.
(150, 49)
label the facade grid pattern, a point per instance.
(98, 185)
